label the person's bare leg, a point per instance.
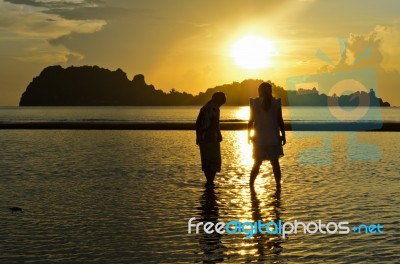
(276, 168)
(254, 172)
(210, 175)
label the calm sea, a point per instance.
(127, 196)
(189, 114)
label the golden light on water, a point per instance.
(242, 113)
(250, 207)
(244, 150)
(244, 153)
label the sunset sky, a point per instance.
(194, 45)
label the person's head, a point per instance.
(265, 90)
(219, 98)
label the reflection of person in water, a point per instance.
(208, 136)
(269, 242)
(266, 117)
(210, 244)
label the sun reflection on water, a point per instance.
(244, 152)
(242, 113)
(245, 205)
(244, 149)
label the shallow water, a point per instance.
(189, 113)
(127, 196)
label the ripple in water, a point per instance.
(127, 196)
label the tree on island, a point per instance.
(95, 86)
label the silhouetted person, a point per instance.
(208, 136)
(266, 118)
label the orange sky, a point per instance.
(187, 45)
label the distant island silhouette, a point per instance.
(95, 86)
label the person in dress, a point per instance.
(269, 132)
(208, 136)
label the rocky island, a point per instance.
(95, 86)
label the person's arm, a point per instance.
(250, 124)
(281, 125)
(202, 124)
(219, 139)
(198, 130)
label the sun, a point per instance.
(253, 52)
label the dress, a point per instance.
(267, 141)
(208, 137)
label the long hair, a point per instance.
(265, 91)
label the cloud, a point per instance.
(379, 50)
(29, 25)
(83, 9)
(389, 47)
(34, 23)
(304, 61)
(56, 4)
(64, 57)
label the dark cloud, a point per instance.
(85, 10)
(55, 4)
(99, 12)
